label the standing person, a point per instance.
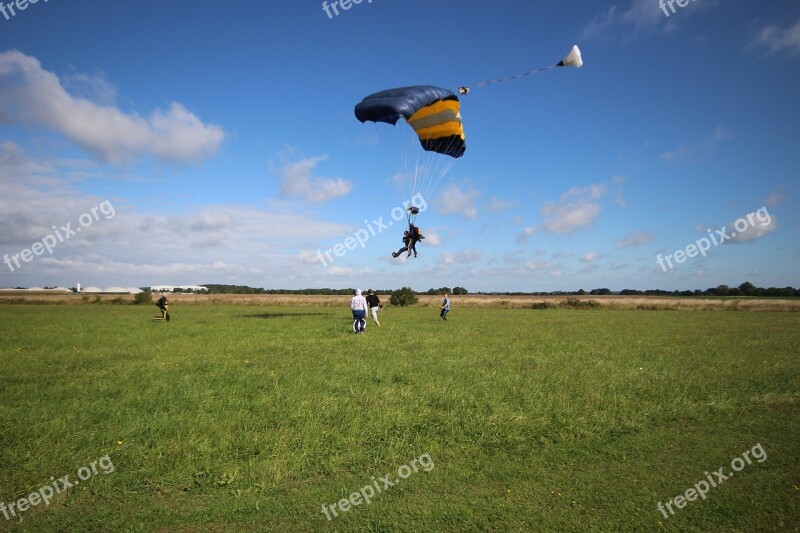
(374, 304)
(162, 304)
(445, 308)
(359, 307)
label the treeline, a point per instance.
(214, 288)
(243, 289)
(745, 289)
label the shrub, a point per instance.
(142, 298)
(404, 297)
(575, 303)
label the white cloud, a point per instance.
(210, 221)
(577, 209)
(590, 257)
(635, 239)
(464, 257)
(340, 271)
(15, 164)
(453, 200)
(776, 39)
(591, 192)
(307, 257)
(96, 88)
(432, 238)
(33, 97)
(534, 265)
(210, 243)
(297, 180)
(755, 226)
(700, 149)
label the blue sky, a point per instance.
(217, 143)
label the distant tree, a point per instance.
(460, 290)
(403, 297)
(747, 288)
(600, 292)
(581, 292)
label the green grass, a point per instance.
(234, 418)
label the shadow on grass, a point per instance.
(282, 315)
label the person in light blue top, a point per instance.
(445, 308)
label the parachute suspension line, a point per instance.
(442, 164)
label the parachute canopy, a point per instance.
(433, 112)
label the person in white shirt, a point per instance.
(359, 307)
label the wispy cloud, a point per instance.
(634, 239)
(497, 204)
(700, 149)
(776, 39)
(591, 257)
(775, 199)
(524, 236)
(640, 17)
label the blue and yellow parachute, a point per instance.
(433, 112)
(428, 116)
(433, 115)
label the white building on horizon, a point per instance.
(183, 288)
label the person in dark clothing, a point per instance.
(445, 307)
(374, 304)
(162, 304)
(406, 243)
(410, 239)
(416, 236)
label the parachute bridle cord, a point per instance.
(573, 59)
(465, 90)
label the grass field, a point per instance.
(250, 418)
